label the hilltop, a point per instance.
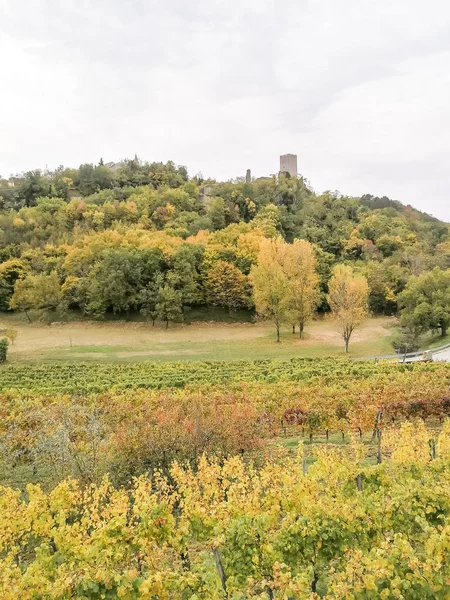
(101, 236)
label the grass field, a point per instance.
(124, 342)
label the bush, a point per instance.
(3, 349)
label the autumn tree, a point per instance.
(271, 288)
(300, 269)
(36, 292)
(227, 286)
(11, 334)
(347, 297)
(10, 271)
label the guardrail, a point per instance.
(403, 357)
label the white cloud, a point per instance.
(359, 89)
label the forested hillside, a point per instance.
(147, 237)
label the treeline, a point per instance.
(145, 237)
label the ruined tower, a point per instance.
(288, 164)
(248, 176)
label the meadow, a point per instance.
(120, 341)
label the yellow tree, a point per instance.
(300, 268)
(227, 286)
(271, 289)
(347, 297)
(36, 292)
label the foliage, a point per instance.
(270, 283)
(79, 378)
(227, 286)
(36, 291)
(115, 228)
(230, 529)
(3, 349)
(11, 334)
(406, 339)
(168, 304)
(300, 268)
(426, 301)
(347, 298)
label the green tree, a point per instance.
(148, 299)
(33, 186)
(216, 213)
(168, 304)
(425, 301)
(406, 339)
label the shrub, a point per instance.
(3, 349)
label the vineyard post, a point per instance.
(304, 466)
(433, 453)
(379, 456)
(359, 482)
(220, 570)
(377, 423)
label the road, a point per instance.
(442, 355)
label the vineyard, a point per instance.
(248, 479)
(74, 378)
(116, 420)
(232, 530)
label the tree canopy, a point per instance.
(109, 231)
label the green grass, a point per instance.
(434, 341)
(110, 342)
(260, 348)
(292, 442)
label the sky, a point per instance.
(358, 89)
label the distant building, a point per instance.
(112, 166)
(74, 194)
(288, 164)
(14, 181)
(248, 176)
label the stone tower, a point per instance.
(288, 164)
(248, 176)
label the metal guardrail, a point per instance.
(401, 356)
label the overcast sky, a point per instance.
(358, 89)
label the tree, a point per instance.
(36, 292)
(406, 339)
(10, 271)
(300, 268)
(216, 212)
(270, 283)
(168, 304)
(12, 334)
(148, 298)
(227, 286)
(33, 186)
(347, 297)
(426, 301)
